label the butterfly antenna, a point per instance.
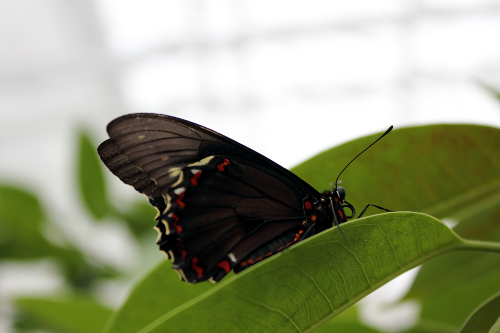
(386, 132)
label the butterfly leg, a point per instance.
(309, 231)
(382, 208)
(335, 219)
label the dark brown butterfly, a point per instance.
(221, 205)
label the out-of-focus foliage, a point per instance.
(491, 90)
(91, 179)
(485, 319)
(22, 220)
(346, 322)
(72, 315)
(95, 195)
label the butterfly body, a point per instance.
(221, 206)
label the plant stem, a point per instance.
(473, 245)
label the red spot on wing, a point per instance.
(179, 200)
(251, 261)
(196, 268)
(301, 232)
(297, 236)
(221, 166)
(269, 254)
(225, 266)
(336, 200)
(259, 258)
(194, 179)
(176, 219)
(313, 218)
(308, 205)
(340, 213)
(281, 248)
(183, 252)
(243, 263)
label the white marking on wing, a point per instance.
(232, 257)
(204, 161)
(179, 190)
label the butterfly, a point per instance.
(221, 205)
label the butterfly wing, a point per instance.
(220, 210)
(217, 200)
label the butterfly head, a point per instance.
(340, 193)
(337, 204)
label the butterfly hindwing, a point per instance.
(220, 217)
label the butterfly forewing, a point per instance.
(134, 129)
(220, 203)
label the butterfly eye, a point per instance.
(341, 193)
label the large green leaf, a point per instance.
(485, 319)
(448, 171)
(74, 315)
(91, 178)
(304, 287)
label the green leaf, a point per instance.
(21, 222)
(346, 322)
(439, 169)
(448, 171)
(452, 286)
(22, 219)
(305, 286)
(91, 178)
(159, 292)
(485, 319)
(75, 315)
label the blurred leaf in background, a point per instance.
(22, 220)
(491, 90)
(91, 179)
(72, 315)
(452, 286)
(486, 319)
(138, 215)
